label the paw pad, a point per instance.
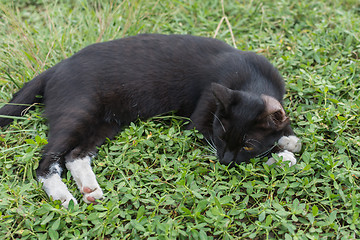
(92, 194)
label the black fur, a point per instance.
(105, 86)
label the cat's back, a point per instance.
(154, 47)
(145, 57)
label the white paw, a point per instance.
(286, 157)
(85, 179)
(56, 189)
(290, 143)
(92, 194)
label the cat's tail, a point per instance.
(25, 98)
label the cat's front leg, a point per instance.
(286, 157)
(289, 145)
(85, 178)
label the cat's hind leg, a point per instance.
(83, 175)
(64, 135)
(78, 161)
(62, 138)
(85, 178)
(54, 186)
(73, 138)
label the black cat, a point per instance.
(232, 97)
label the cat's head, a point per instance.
(246, 125)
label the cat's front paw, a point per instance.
(290, 143)
(286, 157)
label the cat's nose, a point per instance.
(227, 159)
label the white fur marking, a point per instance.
(57, 189)
(85, 178)
(286, 156)
(290, 143)
(55, 168)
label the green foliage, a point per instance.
(160, 181)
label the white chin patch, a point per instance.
(85, 179)
(286, 157)
(290, 143)
(56, 189)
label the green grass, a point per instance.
(160, 181)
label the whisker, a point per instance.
(250, 143)
(213, 143)
(252, 140)
(222, 125)
(212, 147)
(263, 154)
(245, 135)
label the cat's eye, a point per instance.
(248, 148)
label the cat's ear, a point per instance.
(222, 95)
(274, 113)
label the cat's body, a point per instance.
(232, 97)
